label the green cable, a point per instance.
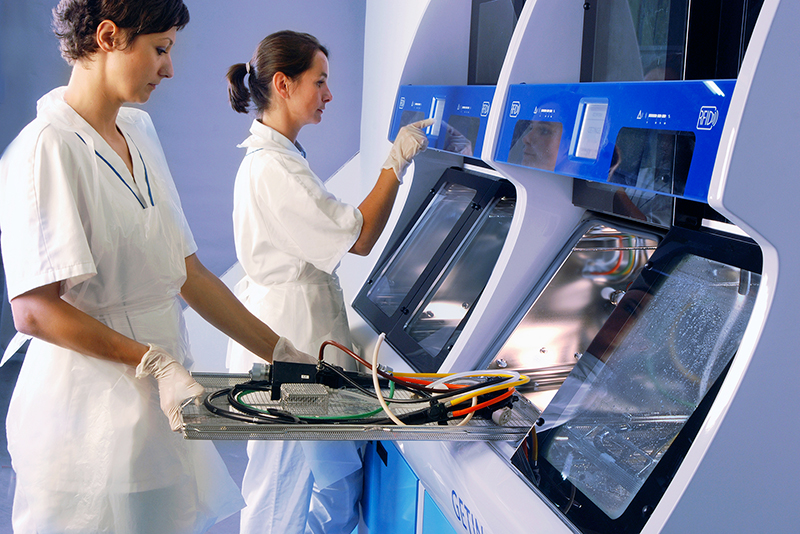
(320, 417)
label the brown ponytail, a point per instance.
(238, 94)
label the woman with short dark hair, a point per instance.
(97, 251)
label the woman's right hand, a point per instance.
(410, 141)
(175, 384)
(285, 351)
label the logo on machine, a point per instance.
(464, 515)
(402, 102)
(515, 106)
(709, 115)
(485, 108)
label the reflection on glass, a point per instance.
(535, 144)
(461, 282)
(569, 312)
(408, 116)
(643, 377)
(653, 163)
(658, 30)
(461, 134)
(407, 263)
(639, 40)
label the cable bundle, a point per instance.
(435, 395)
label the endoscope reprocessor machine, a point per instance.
(608, 222)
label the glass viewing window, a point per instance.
(422, 292)
(617, 429)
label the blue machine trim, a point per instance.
(433, 519)
(389, 502)
(594, 113)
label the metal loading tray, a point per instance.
(200, 423)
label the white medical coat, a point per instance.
(290, 235)
(91, 448)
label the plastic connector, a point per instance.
(502, 416)
(260, 371)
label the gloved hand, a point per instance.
(286, 352)
(175, 384)
(410, 141)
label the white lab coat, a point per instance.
(90, 446)
(291, 234)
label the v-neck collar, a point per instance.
(53, 107)
(109, 157)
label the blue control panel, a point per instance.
(461, 112)
(653, 136)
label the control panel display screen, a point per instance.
(461, 134)
(589, 125)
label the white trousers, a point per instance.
(281, 496)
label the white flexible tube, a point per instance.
(513, 376)
(470, 414)
(377, 386)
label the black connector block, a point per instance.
(290, 373)
(331, 376)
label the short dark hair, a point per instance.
(289, 52)
(75, 22)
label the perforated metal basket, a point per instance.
(200, 423)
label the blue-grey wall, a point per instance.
(200, 131)
(196, 125)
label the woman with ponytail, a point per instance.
(291, 234)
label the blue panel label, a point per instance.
(654, 136)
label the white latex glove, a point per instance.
(286, 352)
(175, 384)
(410, 141)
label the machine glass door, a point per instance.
(440, 315)
(619, 426)
(405, 266)
(421, 294)
(656, 40)
(635, 40)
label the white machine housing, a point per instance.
(739, 475)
